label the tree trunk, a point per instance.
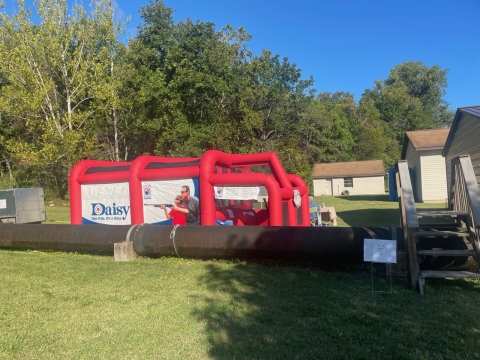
(9, 168)
(115, 135)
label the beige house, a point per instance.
(423, 151)
(464, 139)
(355, 178)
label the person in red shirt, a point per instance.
(178, 217)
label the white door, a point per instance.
(328, 186)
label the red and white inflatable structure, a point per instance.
(100, 188)
(107, 192)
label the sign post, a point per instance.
(382, 252)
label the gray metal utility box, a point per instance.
(21, 206)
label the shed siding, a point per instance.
(319, 187)
(328, 187)
(413, 160)
(465, 142)
(434, 180)
(374, 185)
(337, 186)
(370, 185)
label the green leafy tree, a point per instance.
(401, 111)
(279, 97)
(412, 98)
(345, 101)
(205, 82)
(112, 110)
(428, 84)
(50, 72)
(197, 89)
(327, 131)
(373, 137)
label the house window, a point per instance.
(348, 182)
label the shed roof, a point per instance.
(348, 169)
(430, 139)
(473, 110)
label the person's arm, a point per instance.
(167, 214)
(165, 209)
(181, 209)
(197, 206)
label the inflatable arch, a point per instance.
(279, 185)
(162, 177)
(99, 189)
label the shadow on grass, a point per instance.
(371, 217)
(375, 217)
(283, 312)
(365, 198)
(455, 284)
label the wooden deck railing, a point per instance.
(408, 219)
(465, 195)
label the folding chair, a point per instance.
(314, 220)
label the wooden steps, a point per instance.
(440, 214)
(447, 252)
(440, 274)
(440, 233)
(443, 226)
(449, 274)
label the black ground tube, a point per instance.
(318, 244)
(71, 238)
(322, 244)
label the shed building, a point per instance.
(423, 151)
(356, 178)
(464, 139)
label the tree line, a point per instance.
(71, 90)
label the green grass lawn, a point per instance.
(58, 212)
(70, 306)
(369, 210)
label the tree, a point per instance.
(195, 86)
(373, 137)
(428, 84)
(343, 100)
(50, 70)
(279, 96)
(411, 98)
(327, 131)
(111, 108)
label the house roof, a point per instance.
(473, 110)
(348, 169)
(431, 139)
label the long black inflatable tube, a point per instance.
(317, 244)
(70, 238)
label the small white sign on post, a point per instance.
(381, 251)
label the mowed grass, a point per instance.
(369, 210)
(364, 211)
(58, 212)
(70, 306)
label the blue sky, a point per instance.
(347, 44)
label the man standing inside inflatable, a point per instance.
(192, 206)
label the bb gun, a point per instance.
(158, 205)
